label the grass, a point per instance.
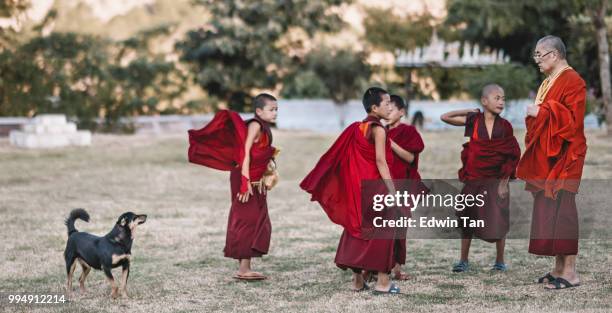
(178, 264)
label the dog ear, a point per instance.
(123, 221)
(141, 218)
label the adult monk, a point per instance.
(555, 148)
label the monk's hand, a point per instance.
(532, 110)
(502, 189)
(245, 189)
(244, 196)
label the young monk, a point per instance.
(362, 152)
(406, 144)
(489, 161)
(245, 149)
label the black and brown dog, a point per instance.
(102, 253)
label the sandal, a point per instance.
(461, 266)
(249, 277)
(393, 290)
(560, 281)
(502, 267)
(549, 278)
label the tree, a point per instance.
(387, 31)
(11, 9)
(87, 78)
(343, 73)
(516, 80)
(390, 32)
(238, 52)
(513, 26)
(516, 25)
(304, 83)
(598, 9)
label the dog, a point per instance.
(101, 253)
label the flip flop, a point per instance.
(548, 277)
(249, 278)
(557, 283)
(394, 290)
(502, 267)
(461, 266)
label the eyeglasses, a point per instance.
(539, 57)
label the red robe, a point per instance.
(220, 145)
(486, 161)
(552, 165)
(335, 182)
(409, 139)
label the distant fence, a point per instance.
(9, 123)
(323, 116)
(319, 115)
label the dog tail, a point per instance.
(74, 215)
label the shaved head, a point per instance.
(553, 43)
(486, 90)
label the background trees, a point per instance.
(231, 50)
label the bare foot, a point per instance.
(358, 282)
(401, 276)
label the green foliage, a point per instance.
(239, 51)
(304, 84)
(343, 72)
(516, 80)
(11, 9)
(390, 32)
(515, 26)
(86, 77)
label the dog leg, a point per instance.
(71, 269)
(86, 269)
(124, 277)
(109, 276)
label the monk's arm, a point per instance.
(575, 99)
(457, 117)
(380, 138)
(253, 131)
(402, 153)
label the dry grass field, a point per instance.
(178, 263)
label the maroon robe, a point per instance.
(335, 183)
(555, 150)
(220, 145)
(486, 161)
(409, 139)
